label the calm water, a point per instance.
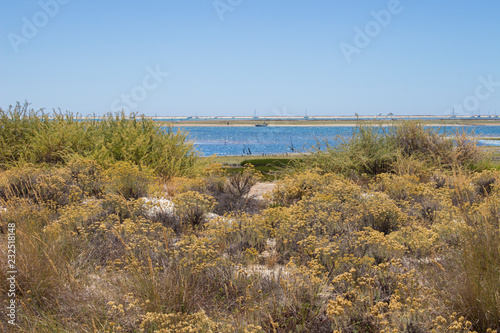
(239, 140)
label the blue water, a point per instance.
(250, 140)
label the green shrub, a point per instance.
(28, 136)
(367, 151)
(263, 162)
(142, 141)
(405, 148)
(17, 126)
(37, 137)
(411, 138)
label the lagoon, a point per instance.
(251, 140)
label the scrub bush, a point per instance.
(127, 180)
(192, 207)
(35, 137)
(405, 148)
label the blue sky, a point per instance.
(231, 57)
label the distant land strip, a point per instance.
(327, 121)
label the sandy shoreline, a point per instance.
(454, 123)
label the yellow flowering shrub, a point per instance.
(87, 174)
(485, 182)
(420, 241)
(380, 213)
(192, 207)
(375, 244)
(294, 187)
(128, 180)
(178, 323)
(52, 187)
(19, 182)
(399, 188)
(214, 177)
(195, 253)
(77, 220)
(178, 185)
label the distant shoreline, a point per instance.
(330, 123)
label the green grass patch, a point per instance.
(268, 162)
(239, 159)
(270, 168)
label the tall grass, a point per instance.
(34, 137)
(471, 280)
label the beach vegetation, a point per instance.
(407, 147)
(115, 232)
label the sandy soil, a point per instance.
(259, 189)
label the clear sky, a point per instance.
(231, 57)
